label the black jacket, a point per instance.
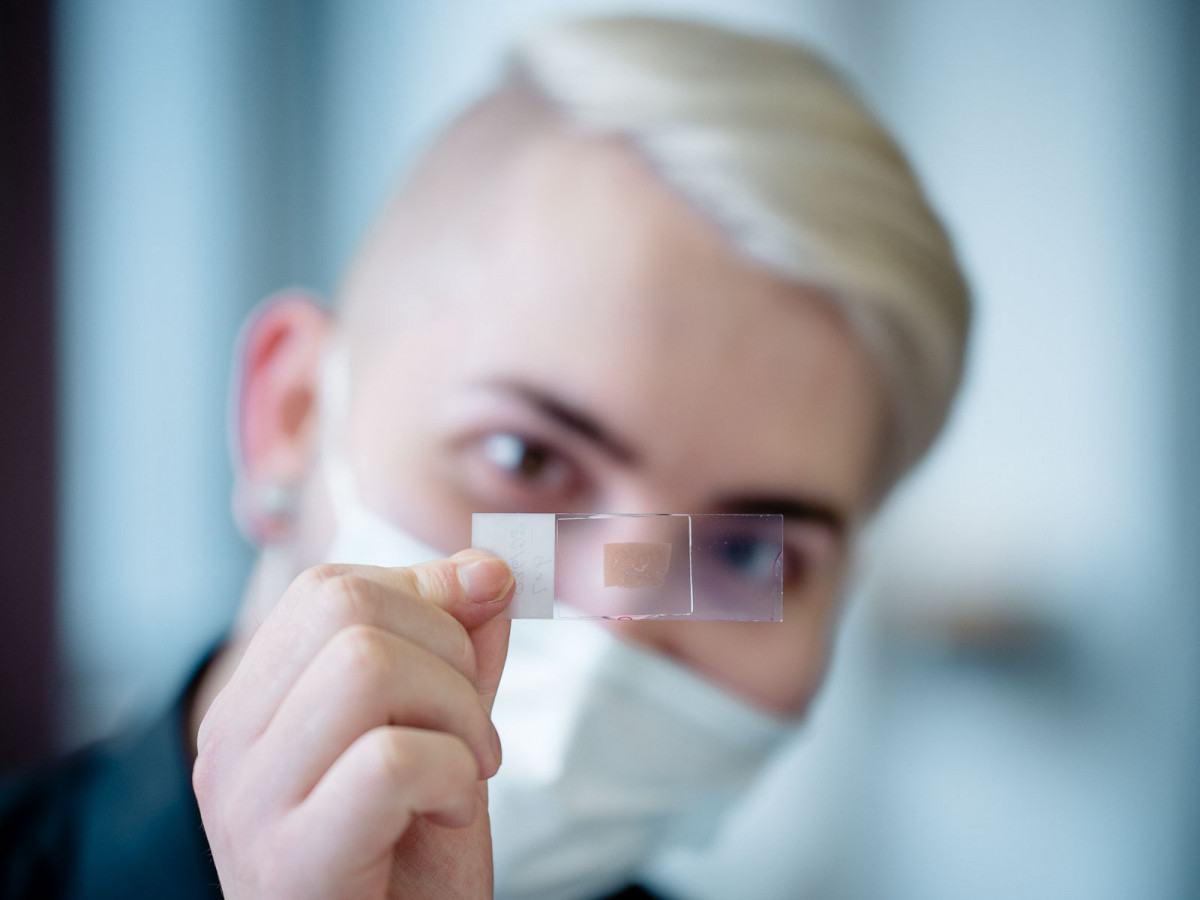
(116, 820)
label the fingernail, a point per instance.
(496, 746)
(485, 579)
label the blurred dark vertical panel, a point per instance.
(27, 384)
(1187, 409)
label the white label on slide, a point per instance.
(526, 542)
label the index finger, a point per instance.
(479, 573)
(299, 626)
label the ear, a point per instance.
(273, 409)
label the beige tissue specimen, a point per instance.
(636, 565)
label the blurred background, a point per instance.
(1015, 710)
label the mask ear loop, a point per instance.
(334, 388)
(386, 543)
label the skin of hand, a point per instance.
(347, 754)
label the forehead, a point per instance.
(585, 275)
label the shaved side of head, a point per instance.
(412, 258)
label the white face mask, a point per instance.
(612, 753)
(360, 535)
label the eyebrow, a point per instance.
(570, 418)
(585, 426)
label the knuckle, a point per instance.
(408, 579)
(312, 578)
(347, 599)
(309, 583)
(361, 653)
(394, 758)
(436, 581)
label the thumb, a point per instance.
(472, 586)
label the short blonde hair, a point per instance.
(764, 138)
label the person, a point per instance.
(662, 267)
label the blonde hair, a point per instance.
(765, 139)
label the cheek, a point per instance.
(393, 438)
(786, 663)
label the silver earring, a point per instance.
(277, 500)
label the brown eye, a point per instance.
(518, 457)
(505, 471)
